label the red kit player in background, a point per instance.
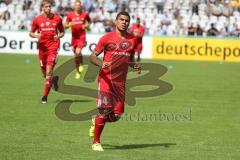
(138, 30)
(49, 29)
(79, 21)
(118, 48)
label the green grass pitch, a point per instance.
(210, 90)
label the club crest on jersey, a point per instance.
(47, 23)
(124, 45)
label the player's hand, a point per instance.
(137, 67)
(70, 24)
(38, 36)
(106, 64)
(85, 26)
(55, 37)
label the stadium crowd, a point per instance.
(160, 17)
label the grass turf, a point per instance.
(210, 90)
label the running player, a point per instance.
(138, 30)
(79, 21)
(49, 29)
(118, 48)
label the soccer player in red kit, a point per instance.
(79, 21)
(49, 29)
(118, 48)
(138, 30)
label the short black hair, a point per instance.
(123, 13)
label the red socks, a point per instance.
(48, 86)
(78, 60)
(99, 125)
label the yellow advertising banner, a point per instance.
(204, 49)
(235, 3)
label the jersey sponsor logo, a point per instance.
(80, 22)
(48, 29)
(42, 24)
(127, 54)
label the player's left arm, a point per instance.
(135, 65)
(60, 29)
(143, 31)
(87, 22)
(97, 51)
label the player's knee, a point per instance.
(114, 117)
(78, 52)
(105, 112)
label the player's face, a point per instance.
(122, 22)
(138, 22)
(47, 8)
(78, 6)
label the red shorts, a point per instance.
(47, 57)
(111, 96)
(78, 43)
(138, 48)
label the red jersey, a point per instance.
(138, 29)
(47, 27)
(118, 50)
(78, 21)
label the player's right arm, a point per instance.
(96, 61)
(68, 23)
(98, 50)
(34, 27)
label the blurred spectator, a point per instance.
(27, 4)
(212, 31)
(216, 8)
(199, 30)
(22, 26)
(7, 2)
(195, 4)
(5, 15)
(90, 5)
(67, 8)
(30, 14)
(162, 30)
(108, 25)
(161, 16)
(60, 10)
(159, 4)
(165, 18)
(191, 30)
(227, 9)
(112, 6)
